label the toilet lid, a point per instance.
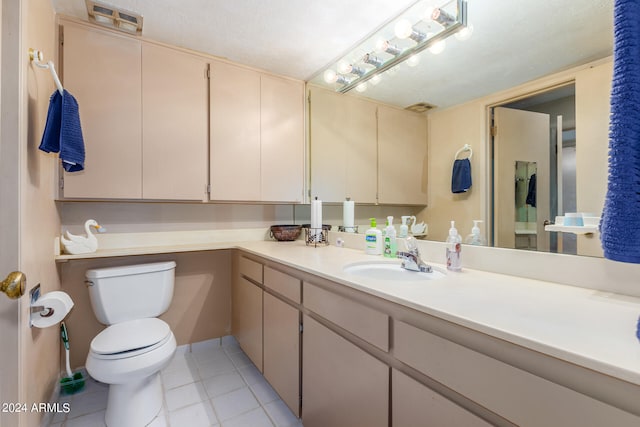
(131, 335)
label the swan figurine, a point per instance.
(418, 229)
(80, 244)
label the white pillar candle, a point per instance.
(348, 209)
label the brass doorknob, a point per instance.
(14, 284)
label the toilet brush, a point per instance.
(72, 383)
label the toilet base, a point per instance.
(134, 404)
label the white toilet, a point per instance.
(129, 354)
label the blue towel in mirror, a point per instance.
(62, 132)
(461, 176)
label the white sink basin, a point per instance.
(381, 270)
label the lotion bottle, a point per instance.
(475, 238)
(390, 242)
(454, 249)
(373, 239)
(404, 228)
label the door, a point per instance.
(175, 141)
(281, 351)
(520, 136)
(342, 386)
(10, 61)
(235, 133)
(103, 71)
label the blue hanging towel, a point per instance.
(620, 224)
(461, 176)
(62, 131)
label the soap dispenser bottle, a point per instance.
(373, 239)
(404, 227)
(454, 249)
(475, 238)
(390, 242)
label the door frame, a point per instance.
(522, 92)
(11, 136)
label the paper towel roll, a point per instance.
(59, 301)
(316, 218)
(348, 213)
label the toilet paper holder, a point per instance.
(53, 306)
(44, 311)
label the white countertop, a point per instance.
(588, 327)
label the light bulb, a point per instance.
(428, 13)
(330, 76)
(465, 33)
(375, 79)
(344, 67)
(361, 87)
(381, 45)
(413, 60)
(403, 29)
(437, 47)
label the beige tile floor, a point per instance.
(212, 383)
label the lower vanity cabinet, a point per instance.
(281, 331)
(282, 350)
(246, 309)
(414, 404)
(342, 386)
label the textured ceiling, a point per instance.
(514, 41)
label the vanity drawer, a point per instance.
(287, 286)
(517, 395)
(367, 323)
(251, 269)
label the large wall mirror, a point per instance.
(513, 43)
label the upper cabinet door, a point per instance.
(235, 133)
(102, 71)
(343, 147)
(282, 139)
(174, 124)
(402, 157)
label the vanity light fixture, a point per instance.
(111, 17)
(421, 26)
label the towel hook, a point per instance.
(466, 147)
(36, 57)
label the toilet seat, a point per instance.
(131, 338)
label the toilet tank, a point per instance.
(131, 292)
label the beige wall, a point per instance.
(200, 309)
(451, 128)
(39, 217)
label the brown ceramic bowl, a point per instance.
(285, 233)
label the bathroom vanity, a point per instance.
(471, 348)
(369, 357)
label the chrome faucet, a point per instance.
(411, 258)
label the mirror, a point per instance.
(513, 43)
(525, 219)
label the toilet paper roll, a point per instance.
(59, 302)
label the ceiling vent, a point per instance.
(420, 107)
(111, 17)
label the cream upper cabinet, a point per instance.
(257, 136)
(102, 70)
(174, 124)
(235, 132)
(402, 157)
(282, 139)
(143, 110)
(343, 147)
